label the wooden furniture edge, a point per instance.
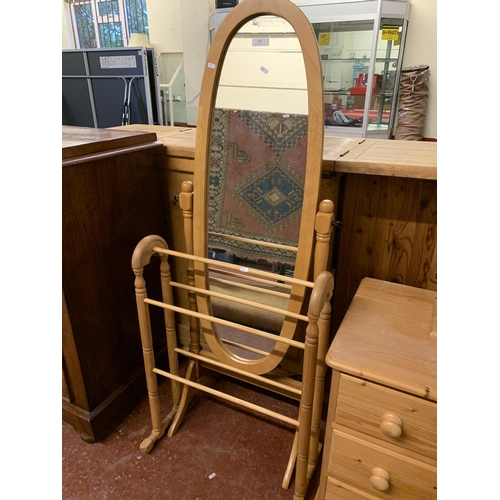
(371, 376)
(86, 147)
(94, 425)
(68, 162)
(386, 170)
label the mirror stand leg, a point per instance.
(186, 398)
(291, 462)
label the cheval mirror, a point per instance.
(254, 199)
(258, 169)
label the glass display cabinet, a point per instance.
(361, 44)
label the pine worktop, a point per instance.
(411, 159)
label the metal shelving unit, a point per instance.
(360, 41)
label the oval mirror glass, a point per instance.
(257, 214)
(257, 170)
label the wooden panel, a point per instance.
(65, 389)
(180, 164)
(338, 491)
(353, 459)
(73, 382)
(174, 235)
(389, 233)
(108, 205)
(362, 405)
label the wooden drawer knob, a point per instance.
(380, 479)
(391, 426)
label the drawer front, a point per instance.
(383, 413)
(378, 473)
(339, 491)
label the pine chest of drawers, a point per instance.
(381, 432)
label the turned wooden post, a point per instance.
(149, 358)
(321, 294)
(186, 204)
(323, 227)
(319, 387)
(140, 258)
(170, 330)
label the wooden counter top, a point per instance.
(415, 159)
(412, 159)
(179, 141)
(80, 141)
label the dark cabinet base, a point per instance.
(111, 198)
(96, 424)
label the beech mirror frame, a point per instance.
(235, 19)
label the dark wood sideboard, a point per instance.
(111, 198)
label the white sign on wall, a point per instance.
(115, 62)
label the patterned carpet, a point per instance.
(256, 181)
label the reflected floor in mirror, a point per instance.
(249, 316)
(221, 452)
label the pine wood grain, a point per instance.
(408, 478)
(338, 491)
(385, 337)
(414, 159)
(362, 405)
(381, 432)
(389, 232)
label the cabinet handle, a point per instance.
(380, 479)
(391, 426)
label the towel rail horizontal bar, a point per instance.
(257, 305)
(238, 371)
(239, 275)
(227, 265)
(252, 288)
(228, 397)
(237, 326)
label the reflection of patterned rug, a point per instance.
(256, 182)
